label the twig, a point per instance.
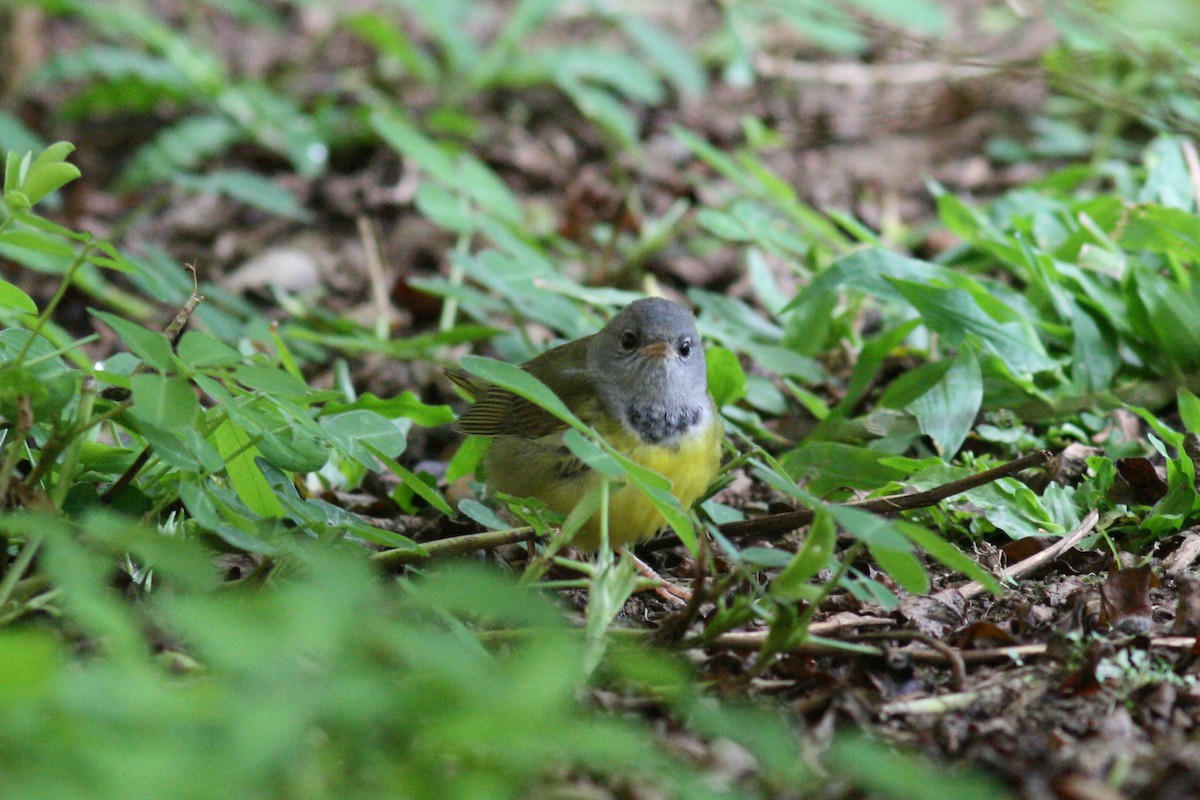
(378, 281)
(756, 639)
(776, 524)
(853, 74)
(753, 640)
(172, 331)
(952, 655)
(175, 327)
(942, 704)
(453, 546)
(15, 442)
(1028, 565)
(127, 476)
(1193, 167)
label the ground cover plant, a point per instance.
(942, 256)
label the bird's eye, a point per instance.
(629, 340)
(685, 347)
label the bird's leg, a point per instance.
(668, 591)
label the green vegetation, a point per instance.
(304, 662)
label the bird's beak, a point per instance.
(656, 349)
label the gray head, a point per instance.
(648, 367)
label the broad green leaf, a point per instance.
(1162, 230)
(165, 402)
(150, 346)
(954, 314)
(360, 433)
(201, 350)
(389, 39)
(245, 475)
(1094, 356)
(477, 511)
(672, 58)
(593, 455)
(445, 208)
(406, 404)
(481, 184)
(946, 412)
(603, 108)
(282, 435)
(12, 297)
(522, 384)
(46, 178)
(271, 380)
(37, 242)
(726, 379)
(834, 465)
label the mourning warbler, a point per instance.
(641, 383)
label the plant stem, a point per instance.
(20, 564)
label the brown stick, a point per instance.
(777, 524)
(175, 327)
(1028, 565)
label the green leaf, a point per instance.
(603, 108)
(150, 346)
(406, 404)
(836, 465)
(400, 134)
(726, 379)
(675, 61)
(1189, 409)
(1094, 357)
(47, 178)
(12, 297)
(247, 187)
(954, 313)
(947, 411)
(164, 402)
(1162, 230)
(37, 242)
(522, 384)
(245, 475)
(949, 555)
(445, 208)
(904, 567)
(389, 39)
(477, 511)
(814, 556)
(593, 455)
(361, 433)
(201, 350)
(413, 482)
(271, 380)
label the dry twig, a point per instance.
(777, 524)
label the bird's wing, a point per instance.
(498, 412)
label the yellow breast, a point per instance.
(544, 469)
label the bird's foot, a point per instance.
(672, 593)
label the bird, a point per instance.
(641, 383)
